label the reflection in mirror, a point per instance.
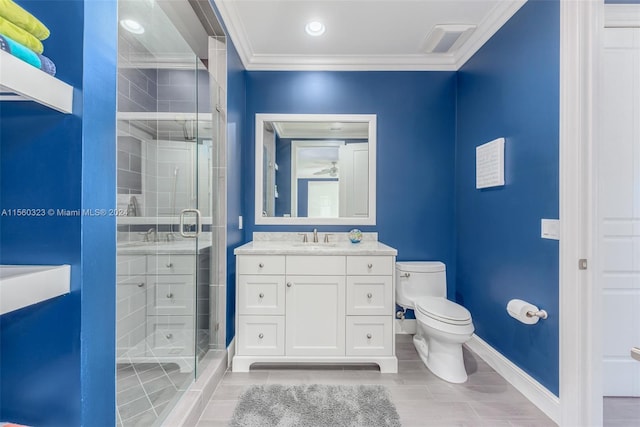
(315, 169)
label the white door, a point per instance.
(354, 180)
(618, 204)
(315, 318)
(322, 199)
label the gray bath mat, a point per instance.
(315, 406)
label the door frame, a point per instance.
(580, 317)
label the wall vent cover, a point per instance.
(447, 38)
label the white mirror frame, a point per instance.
(262, 118)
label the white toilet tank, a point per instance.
(416, 279)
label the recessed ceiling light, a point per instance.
(132, 26)
(315, 28)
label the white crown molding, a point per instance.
(500, 14)
(441, 62)
(622, 15)
(539, 395)
(236, 31)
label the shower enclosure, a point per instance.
(170, 130)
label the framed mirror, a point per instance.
(315, 169)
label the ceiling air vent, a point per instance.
(447, 38)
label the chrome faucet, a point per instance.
(152, 232)
(315, 235)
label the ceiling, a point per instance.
(360, 34)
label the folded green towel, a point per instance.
(23, 19)
(20, 35)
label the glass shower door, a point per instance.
(164, 244)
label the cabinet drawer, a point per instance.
(261, 335)
(369, 335)
(170, 335)
(374, 265)
(261, 294)
(129, 265)
(261, 264)
(170, 295)
(369, 295)
(316, 265)
(171, 264)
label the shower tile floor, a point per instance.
(145, 389)
(149, 380)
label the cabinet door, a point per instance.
(315, 316)
(171, 335)
(369, 295)
(261, 294)
(170, 294)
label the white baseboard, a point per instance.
(405, 326)
(546, 401)
(231, 351)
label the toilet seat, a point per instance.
(443, 310)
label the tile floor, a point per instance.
(421, 398)
(621, 411)
(144, 390)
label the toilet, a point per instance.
(442, 325)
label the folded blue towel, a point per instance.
(47, 65)
(27, 55)
(19, 51)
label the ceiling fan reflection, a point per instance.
(332, 171)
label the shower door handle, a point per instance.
(189, 234)
(635, 353)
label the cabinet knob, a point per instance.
(141, 284)
(169, 295)
(289, 284)
(169, 264)
(168, 336)
(369, 336)
(369, 295)
(261, 336)
(261, 295)
(370, 265)
(261, 265)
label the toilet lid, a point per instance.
(443, 310)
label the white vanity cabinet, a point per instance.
(156, 303)
(170, 303)
(330, 308)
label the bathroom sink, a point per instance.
(314, 245)
(24, 285)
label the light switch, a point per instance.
(240, 222)
(550, 229)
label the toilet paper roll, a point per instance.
(518, 310)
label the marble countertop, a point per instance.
(176, 247)
(299, 248)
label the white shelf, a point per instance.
(163, 116)
(25, 285)
(156, 220)
(20, 81)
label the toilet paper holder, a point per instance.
(525, 312)
(542, 314)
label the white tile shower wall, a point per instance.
(168, 175)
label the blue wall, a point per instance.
(57, 356)
(416, 125)
(510, 89)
